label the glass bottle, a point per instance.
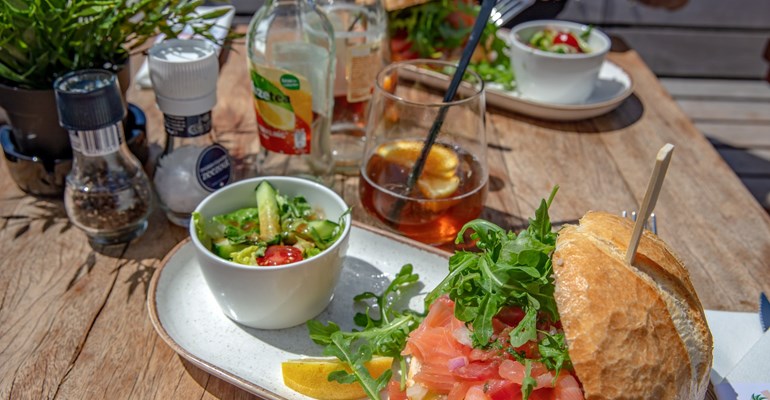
(107, 193)
(184, 75)
(362, 50)
(290, 46)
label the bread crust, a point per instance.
(633, 331)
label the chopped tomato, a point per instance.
(395, 392)
(501, 389)
(567, 39)
(460, 20)
(511, 315)
(280, 255)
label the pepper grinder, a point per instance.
(107, 194)
(184, 75)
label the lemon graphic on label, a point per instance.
(276, 116)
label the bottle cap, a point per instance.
(88, 100)
(184, 74)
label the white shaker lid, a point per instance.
(184, 75)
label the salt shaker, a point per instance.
(184, 75)
(107, 194)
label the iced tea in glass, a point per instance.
(452, 189)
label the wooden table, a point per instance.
(74, 322)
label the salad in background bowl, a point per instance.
(556, 61)
(271, 249)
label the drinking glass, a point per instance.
(452, 189)
(361, 51)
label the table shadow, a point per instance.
(626, 114)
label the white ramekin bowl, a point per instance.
(552, 77)
(280, 296)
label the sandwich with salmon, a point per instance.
(537, 315)
(544, 316)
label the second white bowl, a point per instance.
(552, 77)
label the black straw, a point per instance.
(478, 27)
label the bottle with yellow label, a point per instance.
(291, 60)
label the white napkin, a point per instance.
(741, 366)
(218, 30)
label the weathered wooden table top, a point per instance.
(74, 320)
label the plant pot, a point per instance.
(46, 177)
(34, 120)
(35, 123)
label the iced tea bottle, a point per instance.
(291, 58)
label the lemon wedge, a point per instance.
(442, 161)
(276, 116)
(309, 377)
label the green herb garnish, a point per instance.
(384, 335)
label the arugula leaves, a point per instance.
(510, 270)
(383, 335)
(438, 28)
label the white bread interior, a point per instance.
(632, 331)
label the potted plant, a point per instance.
(44, 39)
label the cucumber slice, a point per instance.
(324, 228)
(223, 247)
(269, 218)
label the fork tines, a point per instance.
(651, 224)
(505, 10)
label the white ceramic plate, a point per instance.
(187, 317)
(614, 86)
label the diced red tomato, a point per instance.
(542, 394)
(395, 392)
(460, 20)
(501, 389)
(510, 316)
(568, 39)
(280, 255)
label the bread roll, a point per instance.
(633, 332)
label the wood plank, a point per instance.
(737, 134)
(735, 111)
(707, 89)
(747, 14)
(698, 52)
(751, 14)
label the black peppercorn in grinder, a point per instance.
(107, 193)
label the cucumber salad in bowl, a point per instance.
(280, 230)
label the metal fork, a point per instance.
(651, 224)
(505, 10)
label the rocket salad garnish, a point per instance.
(510, 272)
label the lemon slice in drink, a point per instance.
(442, 161)
(276, 116)
(433, 187)
(309, 377)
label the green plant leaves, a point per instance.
(44, 39)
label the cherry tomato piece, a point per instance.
(567, 39)
(280, 255)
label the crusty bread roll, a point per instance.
(632, 331)
(392, 5)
